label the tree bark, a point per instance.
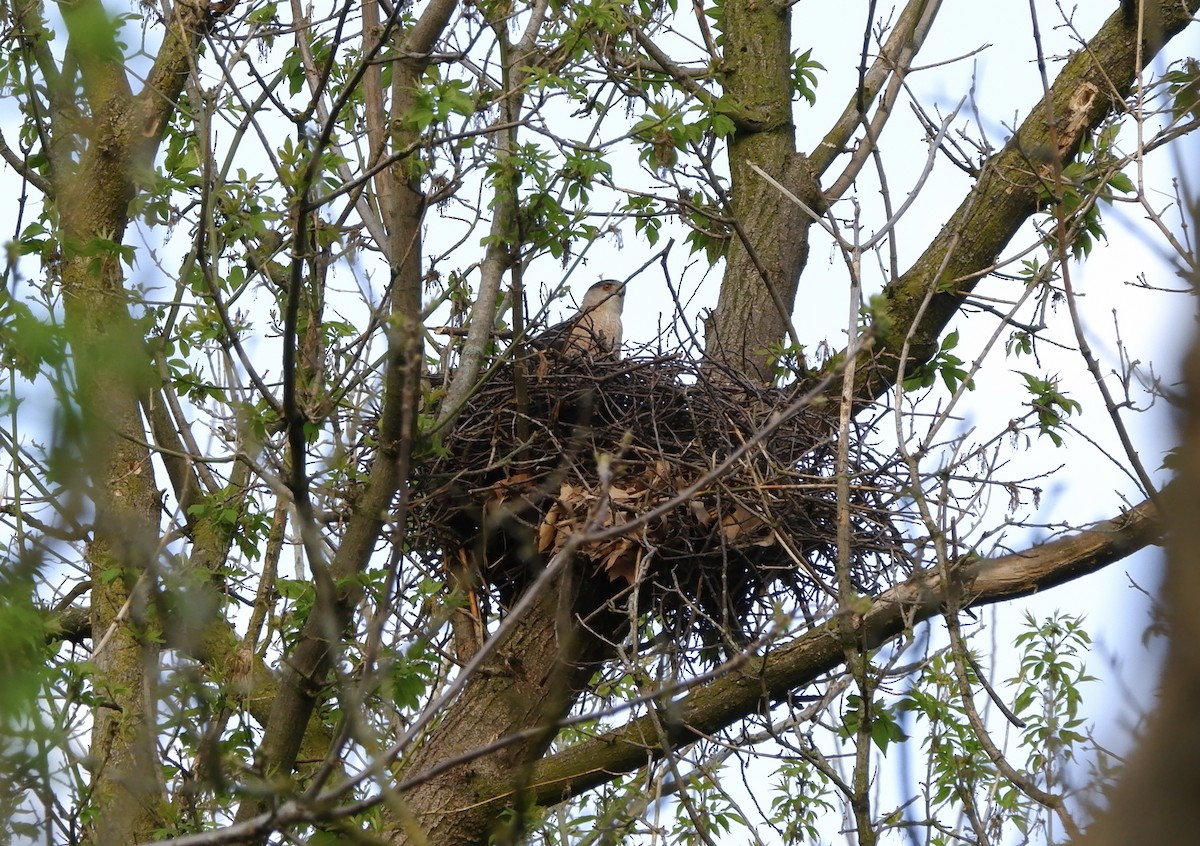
(113, 376)
(528, 682)
(750, 686)
(1091, 88)
(770, 245)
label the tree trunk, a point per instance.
(525, 686)
(113, 374)
(770, 245)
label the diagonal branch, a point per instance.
(156, 102)
(1089, 90)
(720, 703)
(889, 69)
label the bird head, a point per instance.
(604, 292)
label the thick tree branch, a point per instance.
(114, 377)
(771, 247)
(1090, 89)
(718, 704)
(156, 102)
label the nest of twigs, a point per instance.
(557, 448)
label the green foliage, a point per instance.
(1183, 87)
(1051, 406)
(706, 233)
(944, 363)
(98, 251)
(1085, 183)
(22, 644)
(37, 239)
(788, 363)
(293, 70)
(1049, 690)
(234, 516)
(541, 179)
(875, 315)
(804, 76)
(1033, 272)
(1019, 343)
(581, 170)
(957, 763)
(27, 342)
(439, 98)
(708, 814)
(411, 676)
(666, 131)
(647, 220)
(802, 802)
(1046, 694)
(880, 717)
(300, 596)
(94, 33)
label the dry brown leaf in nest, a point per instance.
(623, 494)
(619, 557)
(517, 482)
(514, 486)
(572, 497)
(559, 520)
(548, 530)
(744, 522)
(542, 369)
(660, 474)
(621, 561)
(555, 537)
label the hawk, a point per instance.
(592, 332)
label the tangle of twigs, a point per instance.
(598, 443)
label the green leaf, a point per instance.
(804, 77)
(23, 662)
(1121, 182)
(1183, 85)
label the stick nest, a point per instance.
(560, 447)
